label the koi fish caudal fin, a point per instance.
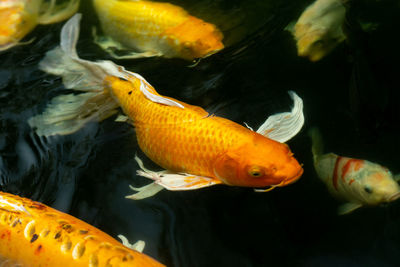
(67, 114)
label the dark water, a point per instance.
(352, 96)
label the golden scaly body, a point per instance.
(181, 139)
(158, 27)
(33, 234)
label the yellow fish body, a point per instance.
(19, 17)
(33, 234)
(158, 28)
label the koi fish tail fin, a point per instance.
(67, 114)
(317, 147)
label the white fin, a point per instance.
(138, 246)
(122, 118)
(348, 208)
(145, 191)
(282, 127)
(6, 204)
(169, 180)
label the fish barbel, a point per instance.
(33, 234)
(19, 17)
(196, 148)
(358, 182)
(156, 29)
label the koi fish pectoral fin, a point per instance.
(106, 43)
(168, 180)
(145, 191)
(348, 208)
(133, 55)
(284, 126)
(109, 45)
(138, 246)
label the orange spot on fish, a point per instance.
(38, 249)
(351, 181)
(357, 164)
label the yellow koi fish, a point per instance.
(19, 17)
(319, 29)
(155, 29)
(197, 149)
(356, 181)
(33, 234)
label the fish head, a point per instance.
(259, 163)
(195, 38)
(377, 185)
(15, 22)
(314, 44)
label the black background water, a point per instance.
(352, 96)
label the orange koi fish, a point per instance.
(319, 29)
(356, 181)
(19, 17)
(33, 234)
(155, 29)
(197, 149)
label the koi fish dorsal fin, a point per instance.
(284, 126)
(148, 91)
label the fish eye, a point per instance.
(255, 171)
(368, 189)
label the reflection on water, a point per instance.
(351, 95)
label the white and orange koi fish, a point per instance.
(319, 29)
(356, 181)
(19, 17)
(33, 234)
(154, 29)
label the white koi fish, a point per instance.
(356, 181)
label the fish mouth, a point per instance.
(285, 182)
(292, 179)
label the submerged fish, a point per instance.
(33, 234)
(198, 149)
(155, 29)
(19, 17)
(319, 29)
(356, 181)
